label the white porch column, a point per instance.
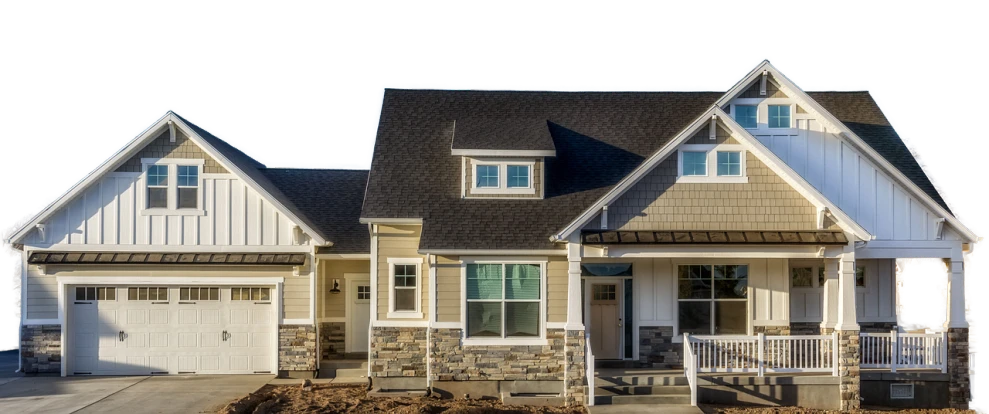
(574, 304)
(956, 292)
(830, 292)
(846, 320)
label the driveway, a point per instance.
(149, 394)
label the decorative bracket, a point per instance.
(822, 213)
(171, 132)
(940, 228)
(604, 217)
(713, 132)
(43, 270)
(762, 83)
(41, 230)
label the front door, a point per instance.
(359, 296)
(606, 320)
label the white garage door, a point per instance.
(140, 330)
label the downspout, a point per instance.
(431, 260)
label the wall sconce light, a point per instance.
(336, 286)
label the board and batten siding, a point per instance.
(42, 290)
(399, 241)
(334, 305)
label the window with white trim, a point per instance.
(147, 293)
(779, 116)
(502, 176)
(188, 186)
(157, 184)
(803, 275)
(747, 116)
(404, 287)
(261, 294)
(712, 299)
(96, 293)
(199, 293)
(504, 300)
(722, 163)
(172, 186)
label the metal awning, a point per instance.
(809, 237)
(278, 259)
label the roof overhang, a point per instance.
(716, 237)
(145, 259)
(493, 252)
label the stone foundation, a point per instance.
(41, 349)
(331, 340)
(959, 384)
(296, 348)
(575, 369)
(398, 352)
(451, 361)
(877, 327)
(771, 330)
(806, 328)
(656, 347)
(848, 369)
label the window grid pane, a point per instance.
(188, 176)
(745, 115)
(487, 176)
(157, 175)
(729, 163)
(712, 298)
(801, 277)
(694, 163)
(503, 300)
(518, 176)
(779, 116)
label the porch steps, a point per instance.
(343, 368)
(630, 387)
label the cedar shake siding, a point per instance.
(771, 90)
(183, 147)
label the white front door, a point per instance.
(140, 330)
(606, 319)
(359, 298)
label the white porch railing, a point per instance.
(902, 350)
(690, 368)
(761, 353)
(589, 368)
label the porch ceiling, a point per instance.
(797, 238)
(234, 259)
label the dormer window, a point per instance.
(172, 186)
(502, 176)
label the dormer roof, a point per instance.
(502, 136)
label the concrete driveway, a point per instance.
(156, 394)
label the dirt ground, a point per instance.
(795, 410)
(326, 398)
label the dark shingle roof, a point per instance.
(502, 134)
(332, 198)
(860, 113)
(599, 138)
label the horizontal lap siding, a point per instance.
(448, 294)
(334, 305)
(557, 279)
(399, 242)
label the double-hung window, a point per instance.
(188, 186)
(405, 288)
(157, 183)
(712, 299)
(504, 300)
(172, 186)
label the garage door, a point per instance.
(141, 330)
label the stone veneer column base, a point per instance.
(656, 347)
(771, 330)
(332, 337)
(575, 391)
(959, 385)
(296, 350)
(41, 349)
(848, 370)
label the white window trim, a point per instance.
(712, 164)
(502, 165)
(414, 314)
(749, 294)
(762, 114)
(815, 283)
(173, 189)
(532, 341)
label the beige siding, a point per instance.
(42, 290)
(183, 147)
(766, 202)
(771, 90)
(556, 289)
(334, 305)
(537, 180)
(448, 295)
(399, 242)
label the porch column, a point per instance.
(575, 366)
(959, 386)
(830, 292)
(848, 332)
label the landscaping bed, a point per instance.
(328, 398)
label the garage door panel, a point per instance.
(136, 340)
(261, 363)
(210, 316)
(238, 340)
(159, 316)
(188, 316)
(188, 339)
(209, 363)
(137, 316)
(239, 363)
(261, 316)
(107, 319)
(209, 340)
(85, 363)
(260, 339)
(188, 363)
(158, 339)
(137, 363)
(158, 363)
(240, 316)
(107, 364)
(109, 340)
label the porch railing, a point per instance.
(690, 368)
(761, 353)
(903, 350)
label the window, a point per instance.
(188, 186)
(518, 176)
(712, 299)
(363, 292)
(802, 277)
(745, 115)
(487, 176)
(250, 293)
(859, 276)
(96, 293)
(694, 163)
(503, 300)
(729, 163)
(779, 116)
(147, 293)
(603, 292)
(606, 269)
(199, 293)
(404, 288)
(157, 178)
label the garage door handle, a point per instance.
(225, 336)
(121, 334)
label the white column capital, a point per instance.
(956, 293)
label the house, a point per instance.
(531, 246)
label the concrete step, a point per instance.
(643, 390)
(642, 399)
(543, 400)
(380, 393)
(343, 368)
(351, 372)
(639, 380)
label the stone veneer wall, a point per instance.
(331, 340)
(848, 369)
(877, 327)
(805, 328)
(771, 330)
(575, 369)
(398, 352)
(656, 347)
(41, 349)
(296, 348)
(959, 384)
(451, 361)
